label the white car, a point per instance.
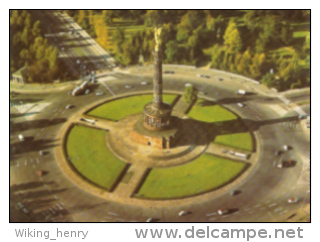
(143, 83)
(69, 106)
(182, 212)
(285, 147)
(99, 93)
(241, 105)
(20, 137)
(149, 220)
(128, 86)
(223, 211)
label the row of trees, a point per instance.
(243, 44)
(29, 48)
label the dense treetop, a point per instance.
(272, 46)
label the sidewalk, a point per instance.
(41, 88)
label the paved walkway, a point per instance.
(181, 107)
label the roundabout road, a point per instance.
(52, 197)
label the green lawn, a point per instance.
(210, 113)
(89, 154)
(229, 129)
(239, 140)
(120, 108)
(301, 34)
(204, 174)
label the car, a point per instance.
(87, 92)
(293, 200)
(286, 147)
(286, 163)
(20, 137)
(69, 106)
(99, 93)
(241, 105)
(202, 93)
(168, 72)
(41, 152)
(203, 76)
(219, 79)
(277, 153)
(128, 86)
(182, 213)
(233, 192)
(303, 116)
(144, 83)
(40, 173)
(223, 211)
(149, 220)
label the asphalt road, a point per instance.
(52, 197)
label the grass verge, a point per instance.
(240, 140)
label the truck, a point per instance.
(241, 92)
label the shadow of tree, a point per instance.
(28, 145)
(34, 124)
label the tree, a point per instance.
(244, 63)
(101, 29)
(217, 56)
(189, 22)
(172, 51)
(154, 18)
(270, 80)
(190, 94)
(232, 39)
(107, 16)
(258, 62)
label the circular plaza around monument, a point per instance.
(104, 159)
